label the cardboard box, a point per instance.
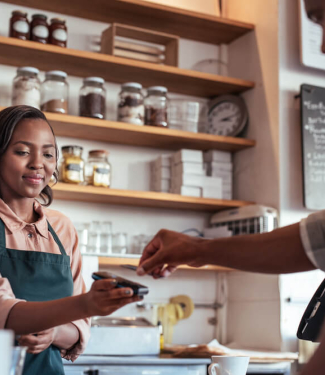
(163, 161)
(185, 155)
(162, 185)
(212, 192)
(217, 156)
(212, 167)
(225, 176)
(196, 181)
(188, 168)
(161, 173)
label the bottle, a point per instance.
(130, 107)
(72, 168)
(98, 169)
(155, 104)
(55, 92)
(58, 32)
(92, 98)
(27, 87)
(19, 25)
(39, 29)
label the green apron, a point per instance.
(38, 277)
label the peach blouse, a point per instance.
(36, 237)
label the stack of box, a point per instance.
(188, 176)
(218, 164)
(161, 174)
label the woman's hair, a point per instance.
(9, 119)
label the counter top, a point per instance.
(136, 360)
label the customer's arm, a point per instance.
(280, 251)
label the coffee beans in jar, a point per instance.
(58, 32)
(92, 98)
(19, 25)
(39, 29)
(155, 104)
(130, 107)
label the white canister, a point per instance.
(6, 346)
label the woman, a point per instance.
(42, 294)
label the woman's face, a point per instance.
(29, 161)
(316, 12)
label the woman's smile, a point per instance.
(34, 179)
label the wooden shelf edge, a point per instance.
(79, 63)
(185, 23)
(106, 262)
(141, 198)
(148, 136)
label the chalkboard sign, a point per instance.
(313, 145)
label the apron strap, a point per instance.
(2, 234)
(56, 239)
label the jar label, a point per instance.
(41, 31)
(73, 167)
(21, 27)
(60, 35)
(102, 170)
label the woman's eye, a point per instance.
(48, 156)
(22, 153)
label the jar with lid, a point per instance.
(19, 25)
(98, 169)
(26, 87)
(39, 29)
(155, 104)
(55, 92)
(72, 165)
(92, 98)
(130, 107)
(58, 32)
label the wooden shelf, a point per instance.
(117, 69)
(186, 24)
(141, 198)
(148, 136)
(107, 262)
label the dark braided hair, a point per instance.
(9, 119)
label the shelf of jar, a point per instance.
(110, 261)
(117, 69)
(184, 23)
(142, 136)
(149, 199)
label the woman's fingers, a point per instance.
(104, 284)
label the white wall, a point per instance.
(130, 167)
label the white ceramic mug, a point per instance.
(228, 365)
(6, 346)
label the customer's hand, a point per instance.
(37, 343)
(103, 298)
(166, 251)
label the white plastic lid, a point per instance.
(158, 88)
(133, 85)
(58, 73)
(94, 79)
(27, 69)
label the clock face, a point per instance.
(227, 116)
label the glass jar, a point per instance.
(58, 32)
(39, 29)
(19, 25)
(130, 107)
(55, 92)
(92, 98)
(98, 169)
(155, 104)
(26, 87)
(72, 166)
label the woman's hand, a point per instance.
(104, 298)
(39, 342)
(166, 251)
